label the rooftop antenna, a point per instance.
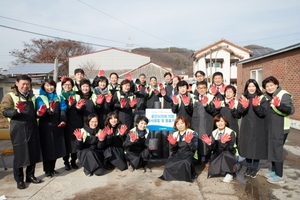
(129, 45)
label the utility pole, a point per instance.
(55, 69)
(129, 45)
(210, 65)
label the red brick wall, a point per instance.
(284, 66)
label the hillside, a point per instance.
(177, 58)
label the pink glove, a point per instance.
(155, 91)
(217, 102)
(78, 134)
(42, 110)
(133, 102)
(123, 103)
(20, 106)
(71, 100)
(204, 100)
(148, 89)
(225, 138)
(189, 88)
(175, 99)
(122, 129)
(244, 101)
(128, 76)
(108, 130)
(231, 104)
(205, 138)
(101, 73)
(102, 135)
(171, 139)
(62, 78)
(163, 92)
(213, 89)
(222, 88)
(62, 124)
(255, 101)
(161, 86)
(100, 99)
(80, 103)
(275, 101)
(53, 105)
(188, 136)
(108, 97)
(186, 100)
(133, 136)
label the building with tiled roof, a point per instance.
(220, 56)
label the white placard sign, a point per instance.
(160, 119)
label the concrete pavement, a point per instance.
(115, 184)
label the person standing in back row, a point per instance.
(19, 108)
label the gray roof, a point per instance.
(259, 52)
(30, 68)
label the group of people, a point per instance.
(103, 125)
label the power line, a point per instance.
(125, 22)
(41, 34)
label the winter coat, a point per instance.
(252, 137)
(125, 114)
(219, 94)
(52, 137)
(104, 108)
(153, 96)
(184, 110)
(140, 95)
(23, 128)
(90, 104)
(275, 122)
(75, 121)
(202, 121)
(169, 93)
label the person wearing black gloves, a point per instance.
(19, 107)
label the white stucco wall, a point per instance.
(109, 59)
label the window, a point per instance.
(257, 75)
(214, 64)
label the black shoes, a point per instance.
(67, 167)
(21, 185)
(48, 174)
(33, 180)
(74, 166)
(251, 172)
(248, 171)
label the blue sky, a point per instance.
(190, 24)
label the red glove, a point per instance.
(155, 91)
(217, 102)
(188, 136)
(171, 139)
(108, 97)
(133, 102)
(186, 100)
(108, 130)
(101, 73)
(222, 88)
(213, 89)
(102, 135)
(123, 103)
(175, 99)
(161, 86)
(204, 100)
(62, 78)
(71, 100)
(52, 105)
(128, 76)
(163, 92)
(78, 134)
(80, 103)
(133, 136)
(275, 101)
(139, 87)
(244, 101)
(42, 110)
(225, 138)
(231, 104)
(122, 130)
(205, 138)
(62, 124)
(189, 88)
(100, 99)
(20, 106)
(255, 101)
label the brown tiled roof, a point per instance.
(207, 48)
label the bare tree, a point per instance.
(46, 50)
